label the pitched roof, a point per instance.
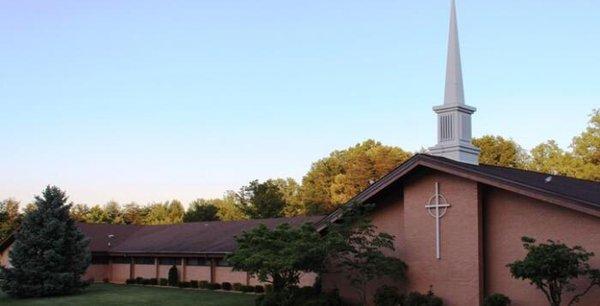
(216, 237)
(580, 195)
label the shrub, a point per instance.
(163, 282)
(130, 281)
(214, 286)
(226, 286)
(194, 284)
(419, 299)
(268, 288)
(173, 276)
(105, 280)
(153, 281)
(139, 280)
(184, 285)
(259, 289)
(237, 286)
(203, 284)
(387, 296)
(496, 299)
(247, 288)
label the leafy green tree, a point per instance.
(499, 151)
(133, 213)
(113, 213)
(228, 208)
(279, 255)
(79, 212)
(97, 214)
(10, 218)
(290, 189)
(334, 180)
(201, 210)
(552, 267)
(586, 149)
(357, 249)
(261, 200)
(49, 255)
(175, 212)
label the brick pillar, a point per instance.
(183, 265)
(131, 268)
(156, 266)
(110, 268)
(213, 270)
(247, 279)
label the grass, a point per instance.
(109, 294)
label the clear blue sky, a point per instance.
(153, 100)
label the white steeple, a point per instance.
(454, 117)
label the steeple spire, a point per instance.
(454, 84)
(454, 116)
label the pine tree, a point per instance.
(50, 254)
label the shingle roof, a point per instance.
(186, 238)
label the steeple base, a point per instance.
(465, 153)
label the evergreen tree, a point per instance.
(50, 254)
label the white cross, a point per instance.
(437, 207)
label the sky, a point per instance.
(155, 100)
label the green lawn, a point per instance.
(107, 294)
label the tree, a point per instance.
(80, 212)
(175, 212)
(201, 210)
(133, 214)
(290, 189)
(586, 148)
(552, 267)
(97, 214)
(10, 218)
(228, 208)
(173, 276)
(548, 157)
(113, 212)
(498, 151)
(261, 200)
(356, 248)
(49, 255)
(279, 255)
(334, 180)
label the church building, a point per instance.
(457, 223)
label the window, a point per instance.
(121, 260)
(144, 260)
(198, 261)
(223, 263)
(99, 260)
(169, 261)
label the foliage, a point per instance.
(201, 210)
(295, 296)
(49, 255)
(173, 277)
(334, 180)
(10, 218)
(552, 267)
(279, 255)
(357, 248)
(261, 200)
(387, 296)
(228, 210)
(419, 299)
(226, 286)
(498, 151)
(586, 149)
(496, 299)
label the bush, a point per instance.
(247, 288)
(153, 281)
(214, 286)
(105, 280)
(259, 289)
(184, 285)
(139, 280)
(163, 282)
(237, 286)
(194, 284)
(387, 296)
(226, 286)
(300, 297)
(268, 288)
(496, 299)
(173, 276)
(203, 284)
(130, 281)
(419, 299)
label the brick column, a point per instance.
(110, 268)
(156, 266)
(183, 264)
(213, 270)
(131, 268)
